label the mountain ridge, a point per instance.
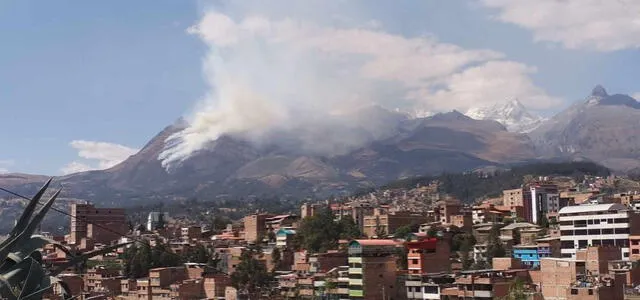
(599, 128)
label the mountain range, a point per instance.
(601, 128)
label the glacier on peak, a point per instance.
(512, 114)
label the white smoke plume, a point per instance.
(285, 74)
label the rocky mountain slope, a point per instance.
(232, 168)
(512, 115)
(603, 128)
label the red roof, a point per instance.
(423, 244)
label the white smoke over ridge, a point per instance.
(299, 78)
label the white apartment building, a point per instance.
(594, 225)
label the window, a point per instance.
(607, 231)
(622, 242)
(574, 291)
(621, 220)
(635, 251)
(622, 231)
(593, 231)
(590, 291)
(581, 232)
(566, 232)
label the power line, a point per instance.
(97, 225)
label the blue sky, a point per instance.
(83, 84)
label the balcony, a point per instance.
(355, 260)
(355, 270)
(483, 294)
(356, 293)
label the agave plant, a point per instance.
(22, 275)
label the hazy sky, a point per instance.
(83, 84)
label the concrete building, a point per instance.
(255, 227)
(513, 197)
(596, 272)
(428, 286)
(339, 279)
(545, 201)
(101, 225)
(634, 247)
(191, 232)
(284, 237)
(594, 225)
(390, 222)
(445, 209)
(155, 218)
(484, 284)
(372, 269)
(429, 255)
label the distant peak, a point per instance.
(599, 91)
(516, 102)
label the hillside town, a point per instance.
(545, 240)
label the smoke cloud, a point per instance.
(295, 76)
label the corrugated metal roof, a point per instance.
(591, 207)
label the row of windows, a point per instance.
(425, 289)
(594, 231)
(582, 223)
(585, 243)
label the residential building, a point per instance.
(338, 288)
(634, 247)
(528, 255)
(428, 255)
(484, 284)
(390, 222)
(155, 218)
(101, 225)
(594, 274)
(428, 286)
(255, 227)
(284, 237)
(513, 197)
(372, 269)
(545, 201)
(445, 209)
(594, 225)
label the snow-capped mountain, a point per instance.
(513, 115)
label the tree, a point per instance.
(495, 248)
(251, 277)
(465, 260)
(276, 258)
(198, 254)
(380, 231)
(517, 291)
(543, 221)
(462, 240)
(145, 260)
(271, 236)
(402, 232)
(318, 233)
(402, 257)
(432, 232)
(517, 239)
(348, 228)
